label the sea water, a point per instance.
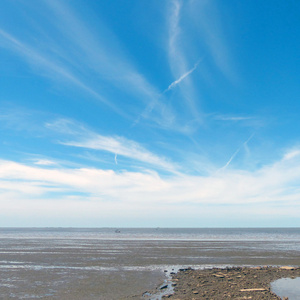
(287, 288)
(123, 263)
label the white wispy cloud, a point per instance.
(117, 145)
(104, 55)
(207, 20)
(291, 154)
(84, 56)
(48, 66)
(178, 59)
(234, 186)
(232, 118)
(254, 122)
(124, 147)
(94, 193)
(44, 162)
(174, 29)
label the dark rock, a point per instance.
(235, 283)
(164, 287)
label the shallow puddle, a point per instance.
(287, 287)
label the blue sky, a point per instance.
(149, 113)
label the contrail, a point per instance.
(171, 86)
(231, 158)
(237, 151)
(174, 83)
(116, 158)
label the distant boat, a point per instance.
(117, 231)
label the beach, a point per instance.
(228, 283)
(134, 263)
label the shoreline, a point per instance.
(224, 283)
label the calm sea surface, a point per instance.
(106, 263)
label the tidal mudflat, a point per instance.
(129, 263)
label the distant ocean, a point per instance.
(118, 263)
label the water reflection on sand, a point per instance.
(287, 287)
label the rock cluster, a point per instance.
(229, 283)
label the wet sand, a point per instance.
(228, 283)
(102, 264)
